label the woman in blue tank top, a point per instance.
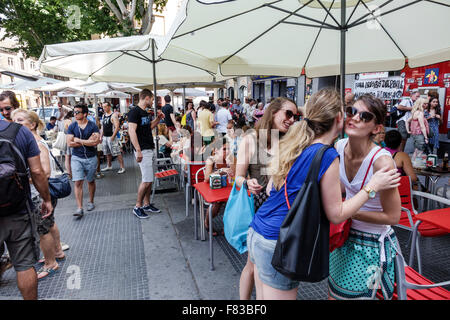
(321, 126)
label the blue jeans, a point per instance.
(83, 168)
(260, 251)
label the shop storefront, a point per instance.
(433, 78)
(266, 87)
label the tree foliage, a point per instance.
(36, 23)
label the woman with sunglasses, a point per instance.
(366, 260)
(254, 153)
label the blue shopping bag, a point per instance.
(238, 215)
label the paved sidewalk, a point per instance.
(114, 255)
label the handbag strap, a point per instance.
(56, 161)
(368, 168)
(313, 170)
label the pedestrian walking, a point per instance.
(253, 158)
(17, 225)
(47, 229)
(433, 116)
(140, 126)
(191, 117)
(223, 116)
(289, 168)
(366, 260)
(417, 126)
(169, 116)
(404, 109)
(83, 137)
(207, 123)
(110, 142)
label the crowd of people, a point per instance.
(267, 147)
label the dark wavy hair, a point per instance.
(375, 105)
(12, 98)
(84, 108)
(438, 107)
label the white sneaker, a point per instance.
(121, 170)
(106, 169)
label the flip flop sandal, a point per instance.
(45, 272)
(57, 259)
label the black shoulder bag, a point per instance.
(302, 249)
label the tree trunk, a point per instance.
(149, 17)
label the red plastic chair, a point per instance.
(163, 175)
(408, 218)
(411, 285)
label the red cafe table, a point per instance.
(210, 196)
(439, 218)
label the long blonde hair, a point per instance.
(321, 110)
(32, 118)
(418, 105)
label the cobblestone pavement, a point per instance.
(114, 255)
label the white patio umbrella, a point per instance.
(321, 37)
(124, 59)
(114, 94)
(24, 85)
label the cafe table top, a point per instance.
(213, 195)
(439, 218)
(437, 172)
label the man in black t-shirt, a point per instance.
(169, 116)
(140, 125)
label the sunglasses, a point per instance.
(5, 108)
(290, 114)
(77, 112)
(365, 116)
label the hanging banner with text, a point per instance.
(384, 89)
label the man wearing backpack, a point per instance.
(19, 151)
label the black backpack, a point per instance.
(14, 184)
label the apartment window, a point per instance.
(32, 65)
(10, 61)
(22, 63)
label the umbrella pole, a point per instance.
(155, 100)
(42, 105)
(184, 98)
(343, 31)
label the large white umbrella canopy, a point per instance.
(114, 94)
(123, 59)
(24, 85)
(90, 87)
(282, 37)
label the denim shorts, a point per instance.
(260, 251)
(419, 141)
(83, 168)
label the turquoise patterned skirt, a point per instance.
(357, 270)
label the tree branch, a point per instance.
(122, 7)
(149, 17)
(114, 10)
(133, 10)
